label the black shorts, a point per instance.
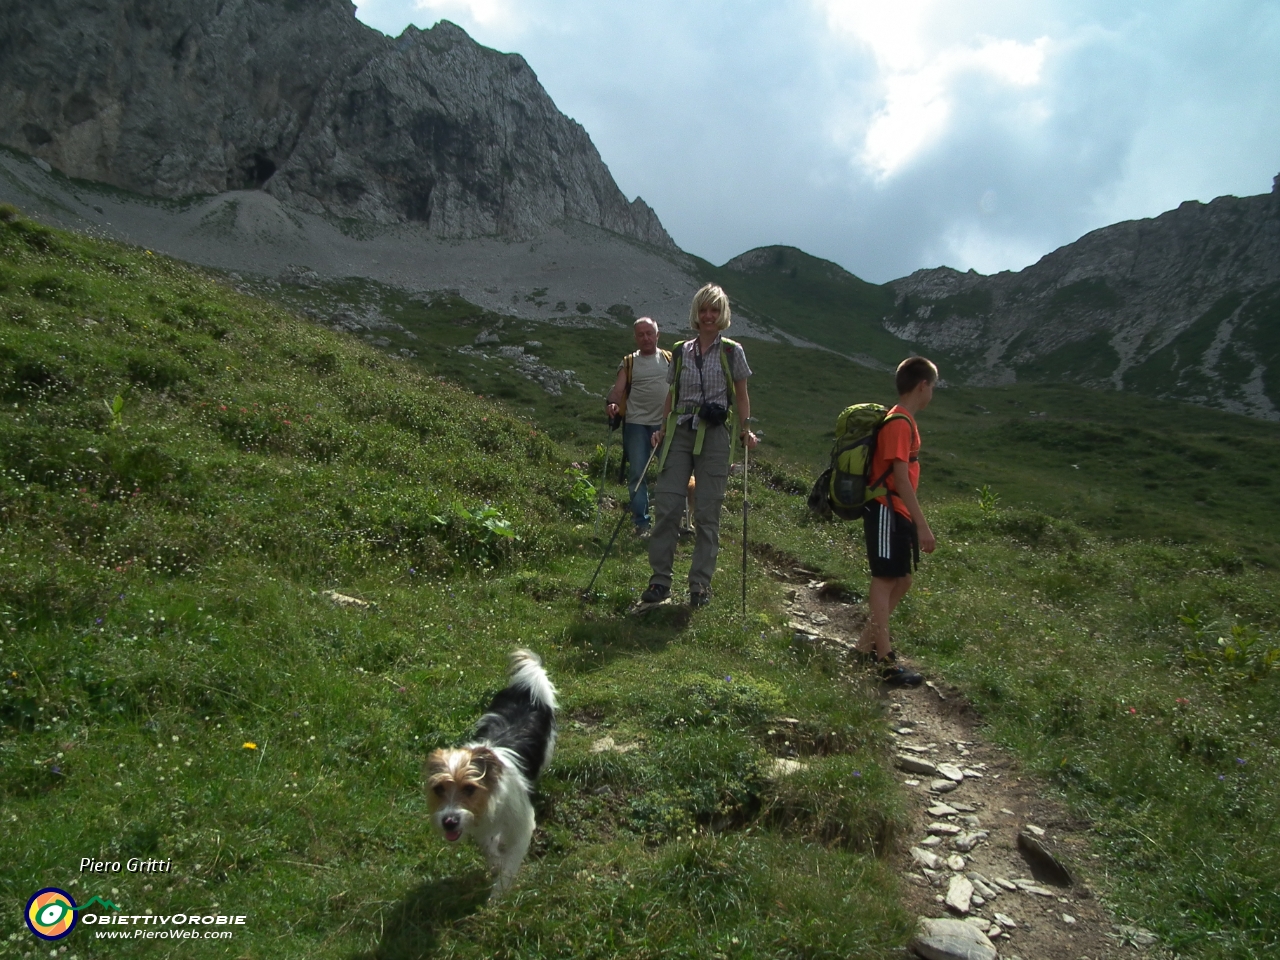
(892, 545)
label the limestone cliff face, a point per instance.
(1185, 305)
(296, 97)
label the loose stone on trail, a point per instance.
(943, 786)
(959, 894)
(950, 829)
(942, 810)
(946, 939)
(916, 765)
(951, 772)
(926, 859)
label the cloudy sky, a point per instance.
(888, 135)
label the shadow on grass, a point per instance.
(596, 643)
(412, 928)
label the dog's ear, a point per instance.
(436, 768)
(488, 765)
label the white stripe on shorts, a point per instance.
(886, 526)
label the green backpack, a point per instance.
(846, 486)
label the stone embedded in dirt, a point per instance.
(943, 786)
(955, 862)
(983, 885)
(819, 618)
(1007, 812)
(975, 774)
(913, 747)
(1044, 865)
(970, 820)
(1068, 918)
(942, 810)
(915, 765)
(994, 931)
(959, 894)
(930, 841)
(967, 841)
(1038, 831)
(905, 731)
(926, 859)
(949, 829)
(964, 807)
(1006, 921)
(1007, 884)
(945, 939)
(1030, 886)
(978, 900)
(951, 772)
(977, 922)
(1138, 936)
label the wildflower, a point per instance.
(1240, 761)
(247, 745)
(1133, 709)
(857, 773)
(1182, 702)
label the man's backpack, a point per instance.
(846, 486)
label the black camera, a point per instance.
(713, 414)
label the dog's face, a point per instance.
(460, 783)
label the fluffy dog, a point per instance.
(482, 790)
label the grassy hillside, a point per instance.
(811, 298)
(177, 684)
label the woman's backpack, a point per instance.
(846, 486)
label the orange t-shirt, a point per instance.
(899, 439)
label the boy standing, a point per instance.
(895, 527)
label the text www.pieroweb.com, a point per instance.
(178, 926)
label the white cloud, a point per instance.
(479, 13)
(922, 57)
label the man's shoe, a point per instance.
(655, 593)
(699, 598)
(897, 676)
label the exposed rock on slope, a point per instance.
(1185, 305)
(178, 97)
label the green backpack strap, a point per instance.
(879, 487)
(677, 357)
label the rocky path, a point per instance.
(994, 867)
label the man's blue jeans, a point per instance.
(636, 441)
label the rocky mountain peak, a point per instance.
(1184, 305)
(173, 98)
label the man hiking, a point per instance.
(894, 524)
(637, 396)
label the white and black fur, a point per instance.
(482, 789)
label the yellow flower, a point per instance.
(250, 746)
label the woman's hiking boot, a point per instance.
(655, 593)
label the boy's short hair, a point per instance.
(913, 371)
(710, 294)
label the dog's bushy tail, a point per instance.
(527, 673)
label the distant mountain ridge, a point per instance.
(1185, 305)
(172, 98)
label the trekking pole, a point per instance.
(603, 474)
(746, 460)
(630, 493)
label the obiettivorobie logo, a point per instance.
(51, 912)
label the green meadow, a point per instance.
(186, 470)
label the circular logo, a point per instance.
(51, 913)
